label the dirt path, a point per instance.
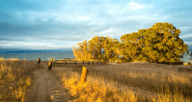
(47, 87)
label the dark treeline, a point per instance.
(160, 44)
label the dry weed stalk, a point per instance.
(12, 81)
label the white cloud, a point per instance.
(137, 6)
(186, 36)
(133, 5)
(83, 18)
(127, 8)
(105, 19)
(188, 42)
(185, 28)
(39, 45)
(134, 17)
(107, 31)
(113, 9)
(32, 16)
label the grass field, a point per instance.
(15, 80)
(126, 82)
(131, 82)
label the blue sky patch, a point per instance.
(61, 24)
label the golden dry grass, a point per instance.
(157, 83)
(96, 91)
(13, 59)
(13, 81)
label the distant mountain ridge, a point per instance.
(32, 51)
(38, 51)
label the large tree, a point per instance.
(95, 47)
(108, 46)
(160, 43)
(129, 48)
(168, 44)
(149, 38)
(98, 48)
(83, 52)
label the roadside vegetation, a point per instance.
(119, 83)
(157, 44)
(15, 80)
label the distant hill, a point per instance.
(32, 51)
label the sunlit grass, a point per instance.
(160, 86)
(169, 97)
(140, 62)
(19, 93)
(95, 91)
(185, 63)
(12, 83)
(1, 58)
(163, 77)
(13, 59)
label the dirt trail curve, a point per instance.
(47, 87)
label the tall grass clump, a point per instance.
(148, 77)
(168, 96)
(13, 82)
(153, 86)
(95, 91)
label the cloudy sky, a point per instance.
(61, 24)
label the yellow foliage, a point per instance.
(185, 63)
(9, 74)
(28, 81)
(20, 93)
(98, 100)
(15, 59)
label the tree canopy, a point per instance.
(159, 43)
(98, 48)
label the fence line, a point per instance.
(53, 62)
(76, 62)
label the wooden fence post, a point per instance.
(97, 62)
(53, 61)
(83, 75)
(83, 61)
(93, 62)
(38, 60)
(65, 61)
(191, 55)
(75, 62)
(88, 62)
(49, 65)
